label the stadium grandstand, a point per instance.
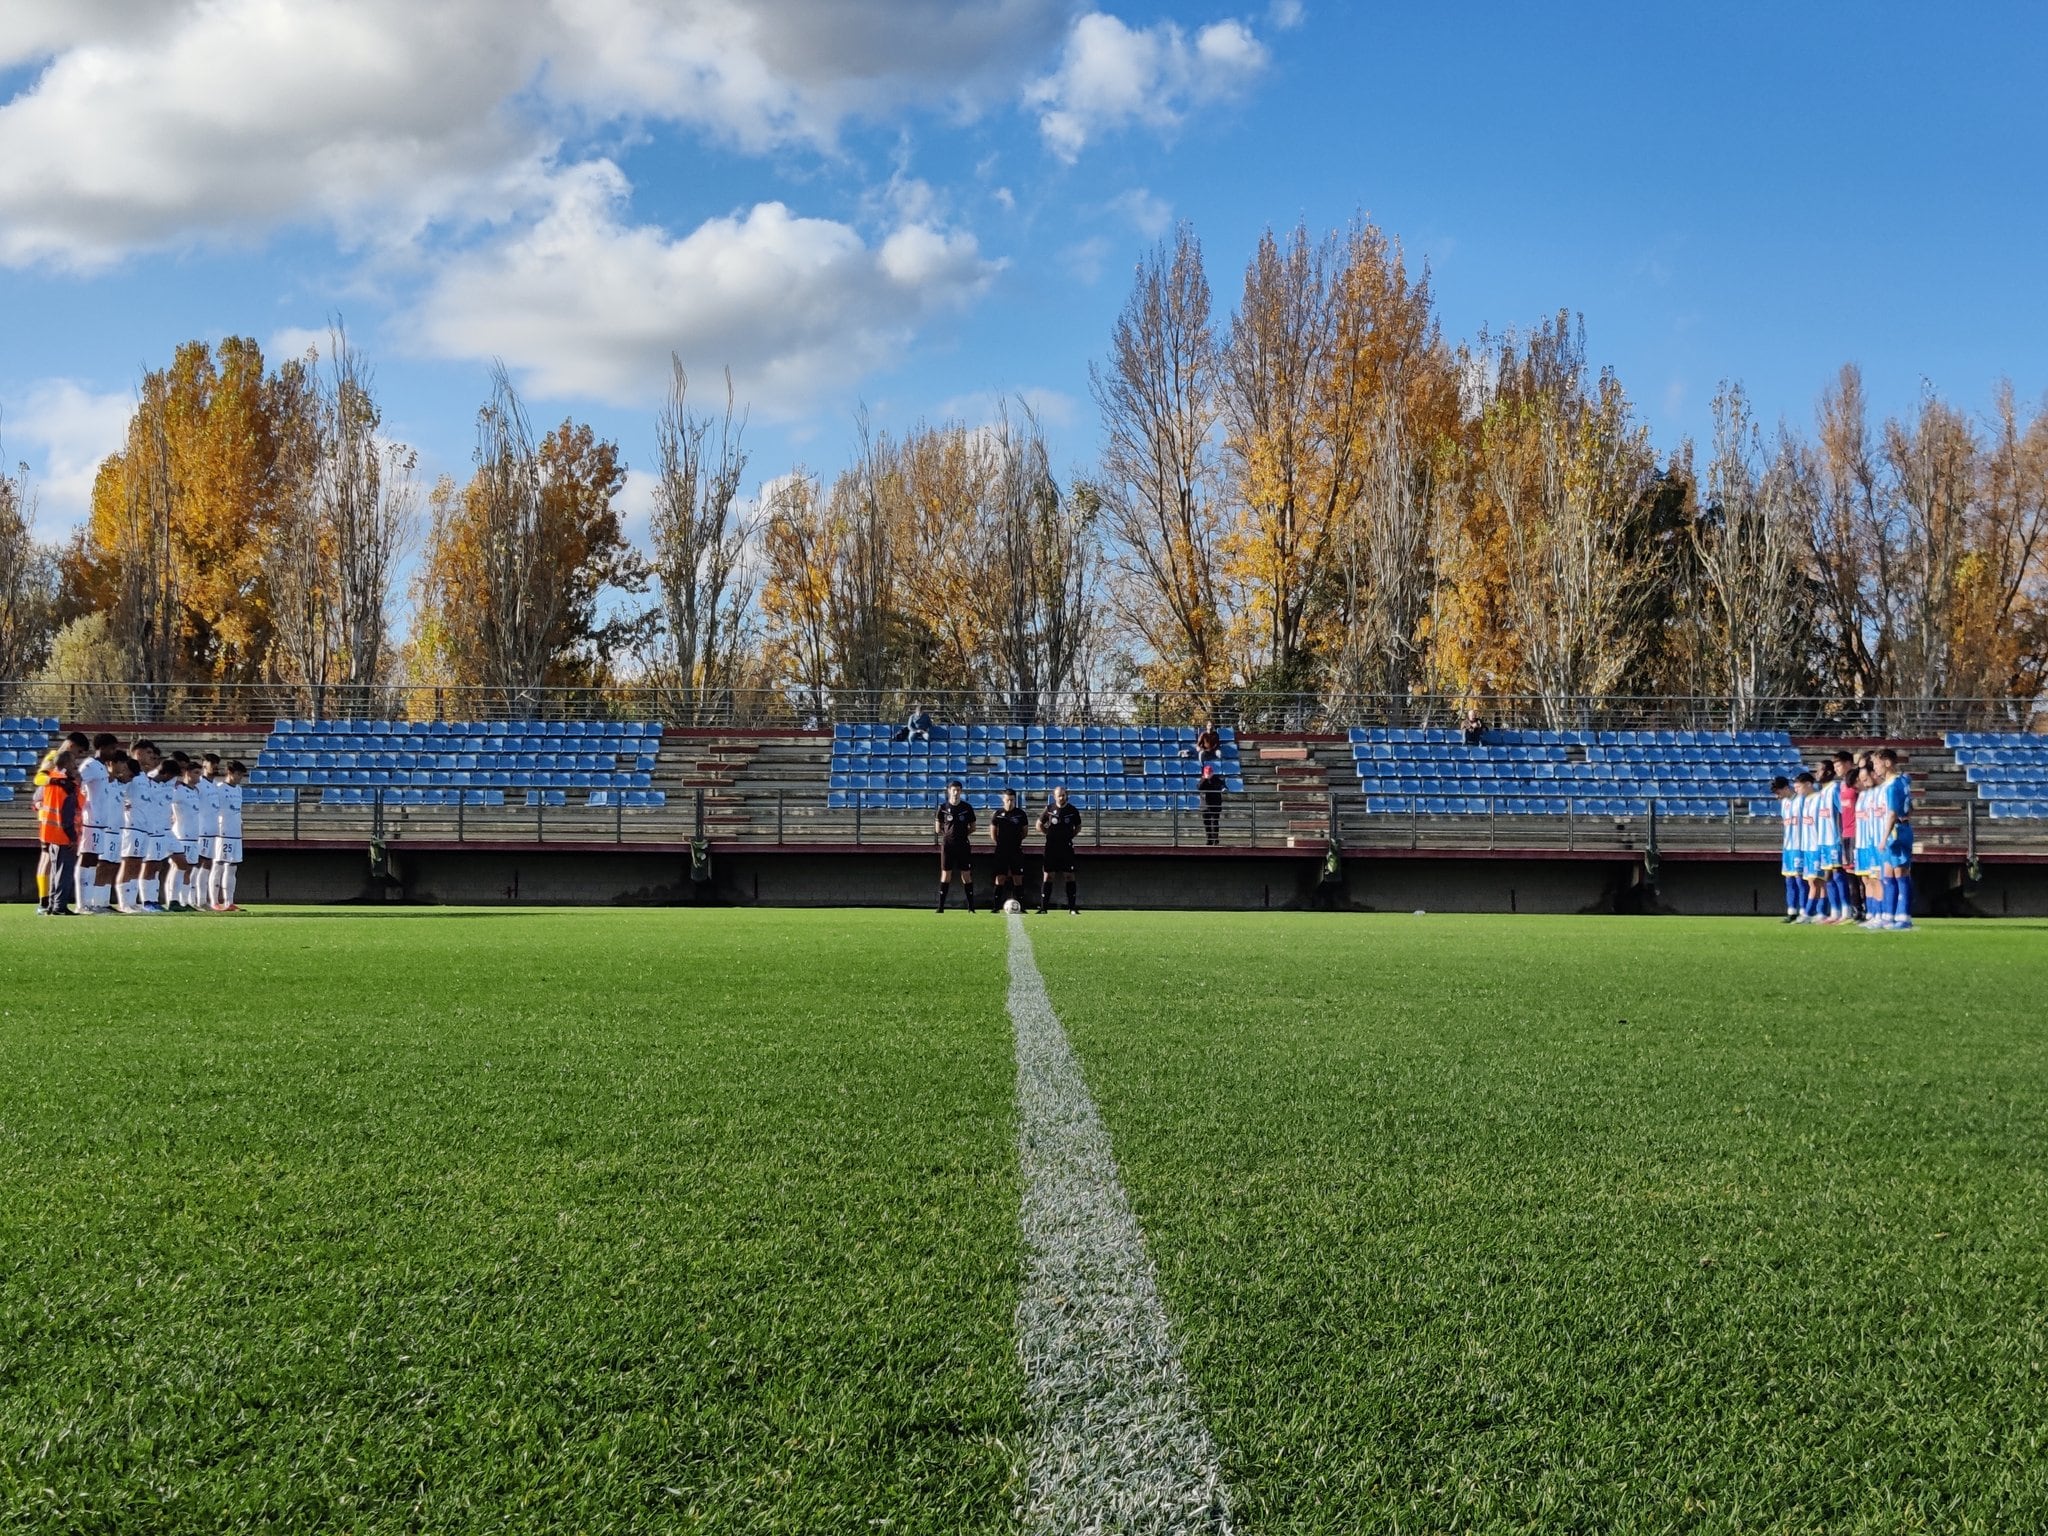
(577, 795)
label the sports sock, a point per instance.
(129, 898)
(1838, 895)
(1792, 902)
(943, 890)
(227, 884)
(151, 890)
(970, 896)
(42, 885)
(1888, 898)
(1904, 899)
(1073, 904)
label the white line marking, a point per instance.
(1118, 1443)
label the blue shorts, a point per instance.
(1867, 861)
(1792, 864)
(1898, 853)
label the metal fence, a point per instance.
(260, 703)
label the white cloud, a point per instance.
(585, 304)
(1285, 14)
(1085, 259)
(1112, 75)
(154, 122)
(230, 116)
(1149, 214)
(64, 430)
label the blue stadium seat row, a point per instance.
(361, 757)
(2016, 740)
(1518, 737)
(1552, 773)
(976, 786)
(1176, 735)
(2021, 810)
(1539, 805)
(458, 778)
(523, 730)
(1121, 768)
(902, 800)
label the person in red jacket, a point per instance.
(57, 829)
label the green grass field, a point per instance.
(609, 1221)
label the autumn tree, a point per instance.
(797, 544)
(28, 586)
(1753, 597)
(700, 534)
(1569, 471)
(1043, 561)
(521, 561)
(184, 516)
(347, 516)
(1158, 480)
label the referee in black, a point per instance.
(1061, 823)
(1007, 828)
(954, 824)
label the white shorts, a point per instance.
(227, 850)
(158, 847)
(186, 848)
(102, 842)
(134, 844)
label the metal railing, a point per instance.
(200, 704)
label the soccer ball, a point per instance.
(1013, 906)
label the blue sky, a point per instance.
(915, 204)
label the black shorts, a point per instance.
(1009, 866)
(1059, 861)
(956, 858)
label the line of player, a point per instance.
(1059, 823)
(1848, 845)
(155, 834)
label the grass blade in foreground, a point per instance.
(1589, 1224)
(594, 1221)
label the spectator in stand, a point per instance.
(918, 727)
(1475, 728)
(1208, 743)
(1211, 789)
(57, 830)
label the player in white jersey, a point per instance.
(227, 847)
(1789, 863)
(1805, 816)
(211, 783)
(145, 833)
(181, 882)
(99, 840)
(1824, 873)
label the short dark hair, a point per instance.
(210, 757)
(1886, 755)
(1781, 782)
(956, 784)
(79, 740)
(104, 740)
(147, 745)
(236, 765)
(1009, 792)
(1845, 756)
(1804, 778)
